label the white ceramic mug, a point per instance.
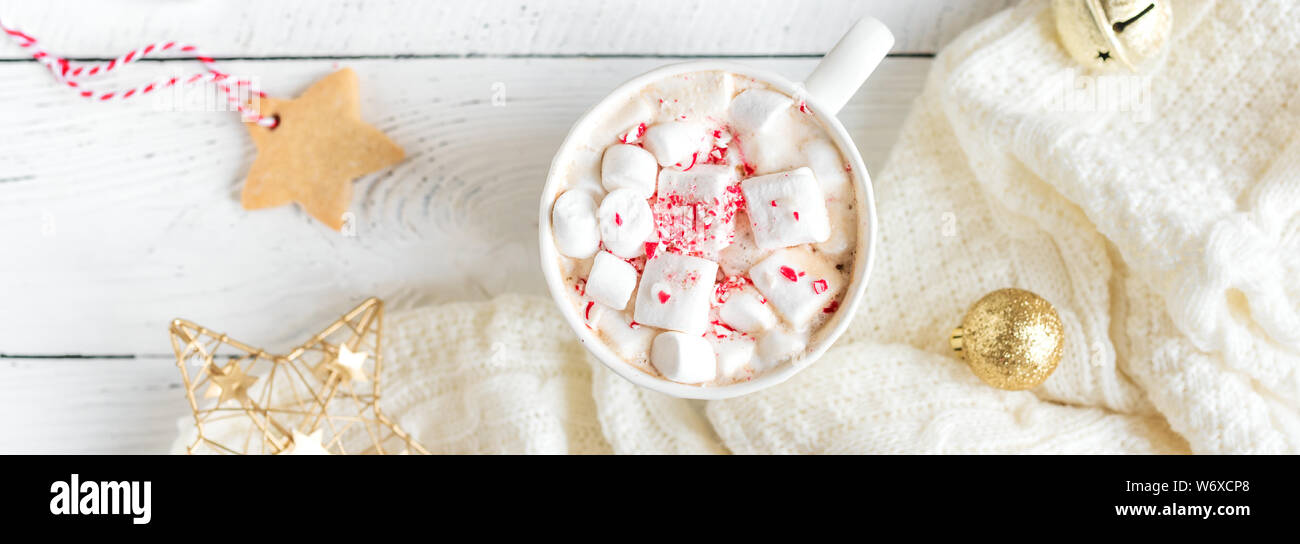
(827, 89)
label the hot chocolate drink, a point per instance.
(706, 228)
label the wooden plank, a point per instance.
(89, 405)
(118, 218)
(92, 28)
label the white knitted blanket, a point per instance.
(1163, 225)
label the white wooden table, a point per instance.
(117, 217)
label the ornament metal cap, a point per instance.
(1105, 33)
(1011, 338)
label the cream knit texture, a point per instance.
(1163, 224)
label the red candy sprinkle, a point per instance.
(789, 273)
(629, 137)
(728, 284)
(650, 248)
(663, 297)
(773, 203)
(729, 331)
(588, 312)
(618, 220)
(694, 157)
(820, 286)
(834, 305)
(796, 216)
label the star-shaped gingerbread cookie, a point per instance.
(318, 147)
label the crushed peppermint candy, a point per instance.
(789, 273)
(729, 284)
(633, 135)
(820, 286)
(723, 331)
(638, 263)
(718, 155)
(691, 227)
(694, 157)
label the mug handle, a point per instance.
(849, 63)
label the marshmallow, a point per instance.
(771, 150)
(746, 311)
(768, 132)
(629, 340)
(705, 183)
(742, 253)
(683, 358)
(676, 143)
(584, 172)
(828, 166)
(696, 209)
(786, 209)
(752, 110)
(626, 222)
(777, 346)
(733, 353)
(629, 167)
(675, 291)
(694, 95)
(611, 281)
(844, 230)
(573, 221)
(798, 284)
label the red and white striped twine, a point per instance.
(74, 74)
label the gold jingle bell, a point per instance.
(1012, 339)
(1106, 33)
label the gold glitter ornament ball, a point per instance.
(1012, 339)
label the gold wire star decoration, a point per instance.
(229, 382)
(306, 444)
(320, 398)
